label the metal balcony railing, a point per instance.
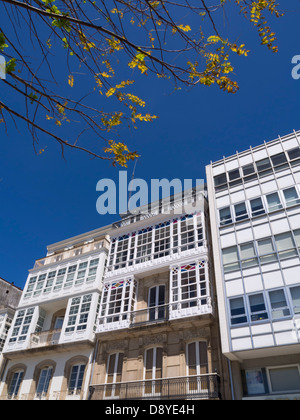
(204, 387)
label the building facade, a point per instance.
(50, 346)
(254, 199)
(9, 299)
(157, 333)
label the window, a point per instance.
(79, 313)
(118, 300)
(274, 202)
(21, 326)
(257, 207)
(92, 270)
(294, 153)
(231, 259)
(225, 216)
(189, 285)
(284, 379)
(144, 245)
(248, 169)
(279, 161)
(197, 364)
(238, 311)
(122, 252)
(264, 167)
(235, 174)
(162, 240)
(70, 276)
(44, 381)
(114, 375)
(15, 383)
(248, 255)
(153, 370)
(187, 233)
(295, 294)
(76, 379)
(220, 180)
(279, 304)
(285, 245)
(240, 212)
(157, 302)
(291, 197)
(266, 251)
(81, 273)
(258, 311)
(297, 237)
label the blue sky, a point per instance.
(45, 199)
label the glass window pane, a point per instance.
(220, 180)
(230, 259)
(279, 159)
(238, 313)
(278, 304)
(240, 211)
(257, 207)
(294, 153)
(248, 169)
(235, 174)
(258, 307)
(285, 379)
(247, 251)
(264, 166)
(274, 202)
(266, 251)
(297, 237)
(291, 196)
(225, 216)
(285, 245)
(295, 293)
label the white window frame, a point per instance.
(199, 387)
(76, 390)
(154, 368)
(113, 384)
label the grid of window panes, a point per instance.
(259, 206)
(189, 285)
(157, 241)
(280, 303)
(5, 324)
(79, 313)
(263, 251)
(62, 278)
(21, 325)
(258, 169)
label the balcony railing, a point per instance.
(191, 387)
(45, 338)
(155, 314)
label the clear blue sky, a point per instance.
(45, 199)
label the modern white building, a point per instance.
(254, 201)
(50, 346)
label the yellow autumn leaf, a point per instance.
(71, 80)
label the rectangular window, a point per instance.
(225, 216)
(258, 308)
(294, 153)
(238, 311)
(264, 167)
(248, 255)
(144, 245)
(240, 212)
(285, 245)
(230, 259)
(78, 313)
(297, 237)
(76, 379)
(248, 169)
(220, 180)
(257, 207)
(162, 240)
(291, 197)
(295, 294)
(114, 375)
(122, 252)
(44, 381)
(266, 251)
(235, 174)
(14, 386)
(279, 161)
(285, 379)
(274, 202)
(279, 304)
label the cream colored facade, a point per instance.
(158, 333)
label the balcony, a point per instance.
(200, 387)
(45, 338)
(155, 315)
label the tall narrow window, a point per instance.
(295, 293)
(197, 365)
(238, 311)
(248, 255)
(144, 245)
(76, 379)
(285, 245)
(114, 375)
(230, 259)
(153, 371)
(44, 381)
(225, 216)
(157, 309)
(162, 240)
(240, 212)
(15, 384)
(266, 251)
(258, 308)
